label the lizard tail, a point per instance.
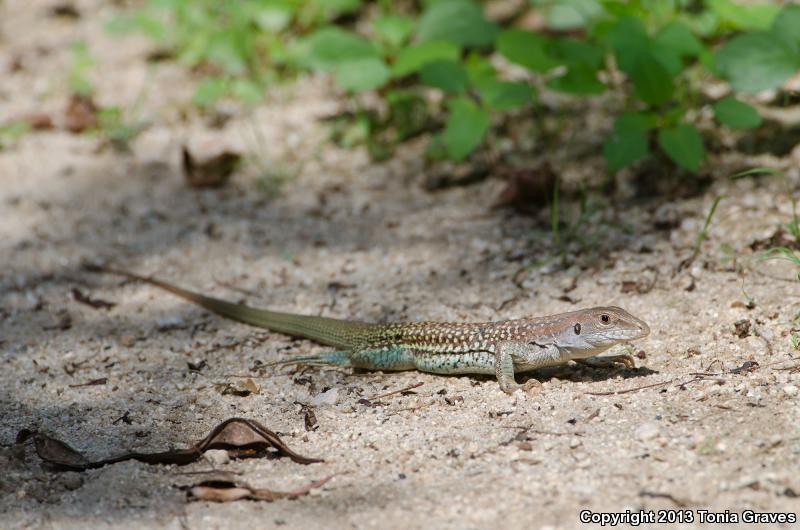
(333, 358)
(329, 331)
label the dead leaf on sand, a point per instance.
(80, 114)
(230, 490)
(527, 188)
(210, 173)
(240, 437)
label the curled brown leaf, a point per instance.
(230, 490)
(240, 437)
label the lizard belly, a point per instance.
(476, 362)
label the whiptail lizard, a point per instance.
(502, 348)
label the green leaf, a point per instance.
(332, 8)
(479, 69)
(273, 17)
(705, 23)
(669, 58)
(756, 61)
(230, 49)
(573, 51)
(505, 95)
(526, 48)
(330, 46)
(683, 145)
(573, 14)
(627, 142)
(209, 91)
(457, 21)
(744, 16)
(578, 80)
(393, 29)
(629, 40)
(651, 81)
(787, 26)
(736, 114)
(247, 90)
(359, 75)
(679, 38)
(760, 170)
(466, 125)
(444, 74)
(411, 59)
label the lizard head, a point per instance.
(591, 331)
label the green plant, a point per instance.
(81, 62)
(793, 226)
(239, 46)
(662, 48)
(11, 132)
(114, 128)
(703, 234)
(783, 253)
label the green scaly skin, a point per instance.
(502, 348)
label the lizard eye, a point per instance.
(577, 328)
(605, 318)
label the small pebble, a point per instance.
(646, 431)
(328, 397)
(72, 480)
(217, 457)
(790, 390)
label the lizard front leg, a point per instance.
(609, 361)
(521, 356)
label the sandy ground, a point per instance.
(352, 239)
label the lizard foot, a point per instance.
(608, 362)
(531, 386)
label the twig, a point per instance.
(555, 433)
(758, 334)
(415, 407)
(659, 495)
(393, 392)
(628, 390)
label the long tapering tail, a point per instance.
(345, 334)
(331, 358)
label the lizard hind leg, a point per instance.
(331, 358)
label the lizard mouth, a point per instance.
(608, 338)
(641, 331)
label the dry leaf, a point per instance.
(229, 490)
(65, 10)
(96, 303)
(527, 188)
(310, 419)
(39, 121)
(240, 437)
(81, 114)
(210, 173)
(779, 238)
(240, 387)
(93, 382)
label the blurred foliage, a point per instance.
(407, 51)
(11, 132)
(81, 63)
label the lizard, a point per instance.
(502, 348)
